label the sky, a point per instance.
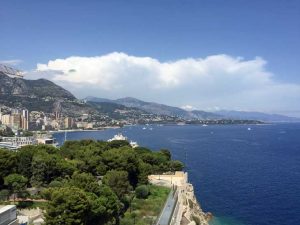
(195, 54)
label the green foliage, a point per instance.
(175, 165)
(16, 183)
(24, 158)
(145, 211)
(142, 191)
(4, 195)
(75, 206)
(118, 182)
(6, 132)
(8, 162)
(124, 158)
(71, 180)
(69, 206)
(118, 144)
(56, 184)
(86, 182)
(167, 153)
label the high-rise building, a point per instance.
(25, 119)
(16, 121)
(68, 122)
(6, 120)
(15, 111)
(24, 123)
(25, 114)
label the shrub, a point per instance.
(142, 191)
(4, 195)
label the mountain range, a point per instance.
(44, 95)
(162, 109)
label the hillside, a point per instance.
(159, 109)
(44, 95)
(256, 116)
(40, 88)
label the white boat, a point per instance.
(249, 128)
(144, 128)
(120, 137)
(204, 125)
(134, 144)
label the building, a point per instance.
(25, 119)
(14, 143)
(47, 141)
(68, 122)
(16, 121)
(8, 215)
(6, 120)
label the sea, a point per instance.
(242, 174)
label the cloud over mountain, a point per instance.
(215, 81)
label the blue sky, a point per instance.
(36, 32)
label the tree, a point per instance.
(145, 169)
(16, 183)
(167, 153)
(118, 182)
(176, 165)
(8, 163)
(104, 209)
(124, 158)
(86, 182)
(24, 157)
(67, 206)
(142, 191)
(118, 144)
(74, 206)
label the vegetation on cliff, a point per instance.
(94, 181)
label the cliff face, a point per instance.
(40, 88)
(38, 95)
(187, 210)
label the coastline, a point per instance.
(183, 206)
(81, 130)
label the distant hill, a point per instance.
(159, 109)
(40, 88)
(44, 95)
(37, 95)
(256, 116)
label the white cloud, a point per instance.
(188, 107)
(221, 80)
(12, 62)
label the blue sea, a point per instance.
(243, 174)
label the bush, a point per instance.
(56, 184)
(4, 195)
(142, 191)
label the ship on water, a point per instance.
(120, 137)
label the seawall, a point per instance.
(185, 209)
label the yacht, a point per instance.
(120, 137)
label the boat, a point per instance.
(134, 144)
(249, 128)
(120, 137)
(204, 125)
(144, 128)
